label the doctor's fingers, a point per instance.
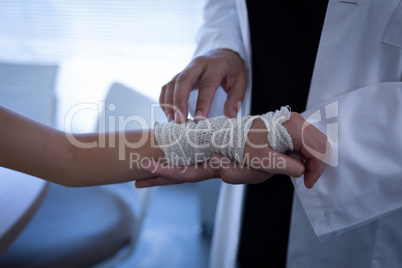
(235, 87)
(175, 94)
(234, 173)
(268, 160)
(208, 72)
(183, 83)
(226, 68)
(166, 100)
(218, 67)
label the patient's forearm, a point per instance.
(119, 159)
(33, 148)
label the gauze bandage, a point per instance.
(190, 142)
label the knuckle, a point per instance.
(235, 98)
(199, 60)
(171, 84)
(183, 77)
(207, 83)
(298, 117)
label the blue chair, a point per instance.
(74, 227)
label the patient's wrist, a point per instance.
(190, 143)
(256, 142)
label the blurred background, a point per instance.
(97, 49)
(142, 44)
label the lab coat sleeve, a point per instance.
(363, 179)
(221, 28)
(225, 27)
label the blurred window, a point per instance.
(141, 43)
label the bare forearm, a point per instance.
(31, 147)
(38, 150)
(114, 157)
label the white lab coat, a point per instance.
(352, 216)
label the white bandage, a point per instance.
(190, 142)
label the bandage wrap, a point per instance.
(190, 142)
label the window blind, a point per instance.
(65, 27)
(141, 43)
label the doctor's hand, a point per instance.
(221, 67)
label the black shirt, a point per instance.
(284, 41)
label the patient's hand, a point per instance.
(311, 144)
(218, 166)
(261, 162)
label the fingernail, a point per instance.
(177, 116)
(198, 115)
(232, 112)
(170, 117)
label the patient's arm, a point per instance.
(112, 157)
(33, 148)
